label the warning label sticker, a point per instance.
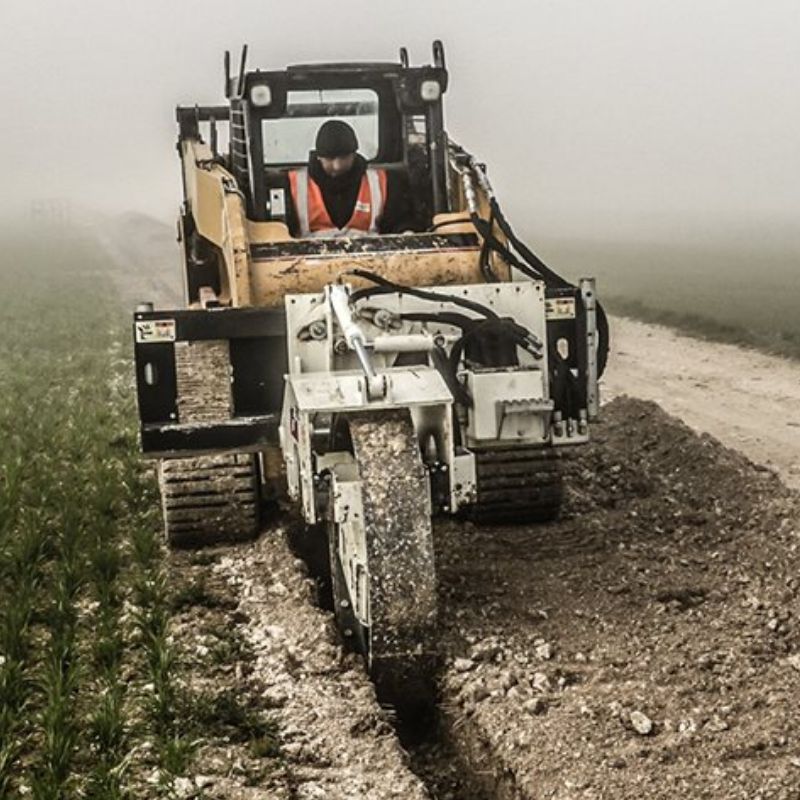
(559, 308)
(149, 331)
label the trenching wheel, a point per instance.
(382, 561)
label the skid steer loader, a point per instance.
(376, 380)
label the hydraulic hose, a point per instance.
(529, 263)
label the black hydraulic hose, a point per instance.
(470, 326)
(554, 279)
(517, 334)
(442, 364)
(525, 338)
(485, 231)
(603, 340)
(535, 268)
(364, 294)
(551, 277)
(435, 297)
(484, 258)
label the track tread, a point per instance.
(209, 499)
(517, 485)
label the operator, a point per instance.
(339, 195)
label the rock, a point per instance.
(278, 589)
(540, 682)
(544, 651)
(293, 750)
(463, 664)
(536, 705)
(507, 680)
(487, 650)
(274, 631)
(794, 661)
(300, 566)
(641, 723)
(687, 726)
(716, 725)
(203, 781)
(183, 787)
(476, 693)
(275, 696)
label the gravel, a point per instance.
(667, 602)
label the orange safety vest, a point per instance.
(313, 217)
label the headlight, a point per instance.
(430, 91)
(261, 95)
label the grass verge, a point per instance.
(90, 705)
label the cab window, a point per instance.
(289, 139)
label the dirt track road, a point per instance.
(747, 400)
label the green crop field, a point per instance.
(745, 292)
(88, 689)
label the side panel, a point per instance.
(255, 362)
(218, 211)
(299, 266)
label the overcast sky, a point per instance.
(593, 115)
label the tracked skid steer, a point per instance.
(373, 381)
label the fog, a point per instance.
(596, 117)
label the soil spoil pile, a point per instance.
(648, 644)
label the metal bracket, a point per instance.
(589, 297)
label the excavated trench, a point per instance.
(422, 728)
(647, 644)
(648, 640)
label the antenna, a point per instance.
(227, 62)
(212, 135)
(438, 54)
(242, 65)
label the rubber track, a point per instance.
(209, 499)
(522, 484)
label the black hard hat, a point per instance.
(336, 138)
